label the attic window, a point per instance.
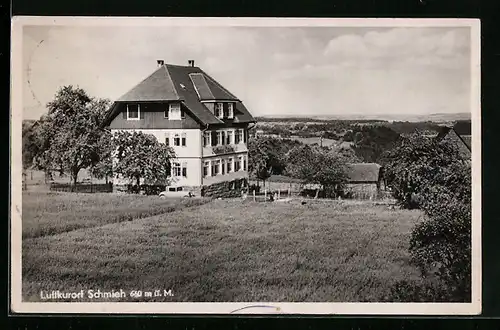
(218, 110)
(133, 112)
(174, 111)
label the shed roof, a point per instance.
(363, 172)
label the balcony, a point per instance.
(224, 149)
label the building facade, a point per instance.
(204, 124)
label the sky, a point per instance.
(273, 70)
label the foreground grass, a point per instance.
(53, 213)
(233, 251)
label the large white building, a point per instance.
(205, 124)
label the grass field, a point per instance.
(231, 250)
(52, 213)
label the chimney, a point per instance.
(191, 62)
(160, 62)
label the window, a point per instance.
(133, 112)
(184, 169)
(165, 113)
(177, 140)
(183, 139)
(237, 136)
(206, 138)
(174, 111)
(244, 163)
(171, 189)
(229, 137)
(237, 165)
(223, 166)
(241, 163)
(230, 111)
(242, 135)
(218, 110)
(179, 188)
(206, 167)
(219, 138)
(176, 169)
(229, 165)
(216, 167)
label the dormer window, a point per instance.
(133, 112)
(174, 111)
(230, 111)
(218, 110)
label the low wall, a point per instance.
(225, 189)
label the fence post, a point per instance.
(254, 195)
(265, 194)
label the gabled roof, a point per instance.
(445, 130)
(363, 172)
(187, 84)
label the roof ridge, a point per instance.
(171, 81)
(219, 85)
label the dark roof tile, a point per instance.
(363, 172)
(187, 84)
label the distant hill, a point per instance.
(435, 117)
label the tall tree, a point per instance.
(140, 156)
(315, 165)
(69, 133)
(415, 163)
(102, 164)
(266, 157)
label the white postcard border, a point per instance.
(18, 306)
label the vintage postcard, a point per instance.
(245, 166)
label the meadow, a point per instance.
(48, 213)
(225, 250)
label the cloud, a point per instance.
(397, 45)
(273, 70)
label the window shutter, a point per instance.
(124, 114)
(184, 172)
(169, 170)
(183, 141)
(222, 165)
(244, 136)
(167, 142)
(223, 137)
(141, 112)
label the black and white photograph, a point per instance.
(245, 165)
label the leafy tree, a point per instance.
(102, 165)
(69, 133)
(140, 156)
(265, 157)
(413, 165)
(30, 146)
(440, 245)
(316, 165)
(371, 141)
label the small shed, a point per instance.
(365, 181)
